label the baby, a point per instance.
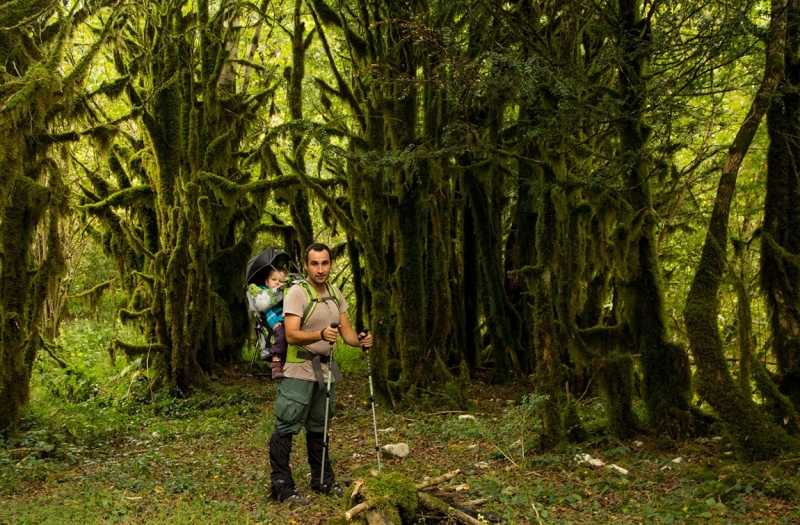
(274, 317)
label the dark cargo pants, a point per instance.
(299, 404)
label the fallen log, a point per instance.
(361, 507)
(392, 497)
(437, 505)
(438, 480)
(455, 488)
(380, 517)
(354, 493)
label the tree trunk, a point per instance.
(548, 369)
(523, 252)
(780, 237)
(502, 317)
(665, 365)
(470, 285)
(20, 218)
(754, 436)
(298, 204)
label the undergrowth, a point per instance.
(100, 445)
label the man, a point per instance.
(309, 310)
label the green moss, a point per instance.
(93, 296)
(358, 44)
(12, 12)
(617, 381)
(327, 15)
(597, 427)
(576, 433)
(400, 488)
(134, 351)
(129, 197)
(116, 167)
(216, 148)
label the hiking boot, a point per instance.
(335, 490)
(277, 370)
(296, 499)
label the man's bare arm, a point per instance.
(297, 337)
(349, 335)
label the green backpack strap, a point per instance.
(313, 298)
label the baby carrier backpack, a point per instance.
(260, 300)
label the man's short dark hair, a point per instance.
(318, 247)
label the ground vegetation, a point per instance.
(536, 193)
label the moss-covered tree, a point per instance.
(41, 99)
(754, 435)
(665, 365)
(183, 212)
(398, 194)
(780, 236)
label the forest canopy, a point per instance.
(584, 197)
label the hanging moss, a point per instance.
(94, 295)
(133, 352)
(357, 44)
(12, 12)
(215, 148)
(103, 137)
(113, 89)
(125, 315)
(116, 167)
(52, 268)
(129, 197)
(326, 14)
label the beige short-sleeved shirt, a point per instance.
(325, 313)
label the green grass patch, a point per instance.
(112, 450)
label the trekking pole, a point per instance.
(327, 408)
(258, 331)
(365, 331)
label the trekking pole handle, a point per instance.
(364, 331)
(322, 332)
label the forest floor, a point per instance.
(205, 460)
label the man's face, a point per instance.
(318, 266)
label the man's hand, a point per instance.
(330, 333)
(365, 338)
